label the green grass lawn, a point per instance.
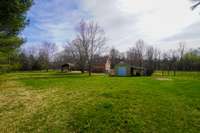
(62, 103)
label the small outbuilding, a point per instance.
(67, 67)
(123, 69)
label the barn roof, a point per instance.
(68, 64)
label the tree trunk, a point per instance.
(168, 70)
(47, 66)
(82, 70)
(90, 69)
(90, 74)
(174, 70)
(90, 60)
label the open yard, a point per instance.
(62, 103)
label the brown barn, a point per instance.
(100, 64)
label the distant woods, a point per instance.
(46, 56)
(153, 59)
(37, 58)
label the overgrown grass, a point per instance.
(57, 102)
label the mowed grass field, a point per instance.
(73, 103)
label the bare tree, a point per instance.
(181, 52)
(76, 49)
(92, 39)
(139, 47)
(165, 62)
(64, 56)
(135, 54)
(58, 60)
(114, 57)
(181, 49)
(157, 58)
(150, 58)
(173, 61)
(69, 54)
(131, 56)
(47, 52)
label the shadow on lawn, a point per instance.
(42, 76)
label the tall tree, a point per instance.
(24, 61)
(114, 57)
(150, 58)
(92, 38)
(46, 53)
(181, 51)
(132, 56)
(157, 58)
(12, 21)
(76, 50)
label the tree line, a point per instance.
(46, 56)
(152, 59)
(88, 44)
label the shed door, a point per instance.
(122, 71)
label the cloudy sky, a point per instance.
(161, 23)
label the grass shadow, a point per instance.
(47, 76)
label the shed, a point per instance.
(123, 69)
(67, 67)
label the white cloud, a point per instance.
(126, 21)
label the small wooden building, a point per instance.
(67, 67)
(99, 64)
(98, 68)
(123, 69)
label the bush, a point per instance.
(5, 68)
(149, 72)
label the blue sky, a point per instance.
(160, 23)
(52, 20)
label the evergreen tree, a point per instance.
(12, 21)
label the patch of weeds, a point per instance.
(107, 95)
(104, 105)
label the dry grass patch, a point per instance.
(16, 103)
(163, 79)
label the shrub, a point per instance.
(149, 72)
